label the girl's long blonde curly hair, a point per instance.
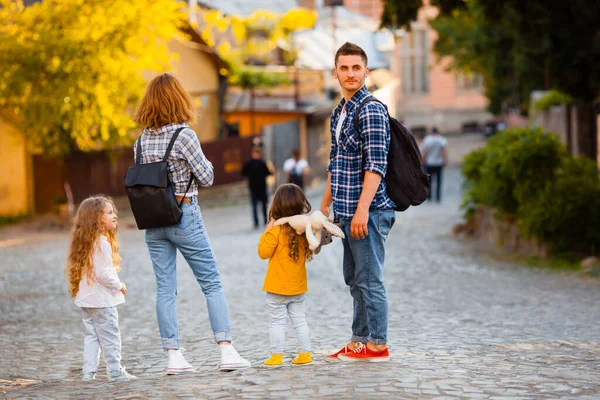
(290, 200)
(86, 232)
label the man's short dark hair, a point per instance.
(350, 49)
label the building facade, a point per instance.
(428, 95)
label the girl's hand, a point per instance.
(123, 288)
(270, 225)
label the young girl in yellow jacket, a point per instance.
(286, 282)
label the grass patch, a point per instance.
(552, 263)
(9, 220)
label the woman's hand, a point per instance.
(123, 288)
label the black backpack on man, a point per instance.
(407, 184)
(150, 194)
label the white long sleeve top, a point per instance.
(105, 289)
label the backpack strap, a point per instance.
(172, 142)
(138, 158)
(359, 107)
(138, 155)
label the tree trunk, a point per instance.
(585, 130)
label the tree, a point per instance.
(72, 70)
(524, 45)
(400, 14)
(243, 42)
(491, 50)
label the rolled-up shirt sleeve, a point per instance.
(104, 269)
(199, 164)
(374, 126)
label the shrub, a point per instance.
(513, 164)
(527, 175)
(566, 212)
(552, 98)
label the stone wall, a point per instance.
(487, 227)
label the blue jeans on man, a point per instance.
(363, 273)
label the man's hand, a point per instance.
(359, 226)
(325, 210)
(123, 288)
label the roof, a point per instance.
(247, 7)
(317, 47)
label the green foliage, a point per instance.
(491, 50)
(252, 78)
(527, 175)
(566, 212)
(399, 14)
(72, 70)
(519, 46)
(552, 98)
(9, 220)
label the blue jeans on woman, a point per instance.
(191, 239)
(363, 273)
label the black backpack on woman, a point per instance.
(150, 194)
(407, 184)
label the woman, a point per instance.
(164, 109)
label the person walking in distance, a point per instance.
(435, 158)
(357, 164)
(296, 169)
(256, 171)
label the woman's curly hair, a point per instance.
(87, 229)
(290, 200)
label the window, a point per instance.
(465, 83)
(415, 62)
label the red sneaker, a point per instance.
(334, 356)
(364, 353)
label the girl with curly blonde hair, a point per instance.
(93, 282)
(286, 282)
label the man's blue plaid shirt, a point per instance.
(357, 152)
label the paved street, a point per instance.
(461, 325)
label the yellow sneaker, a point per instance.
(274, 361)
(302, 359)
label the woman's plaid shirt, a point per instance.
(355, 153)
(186, 156)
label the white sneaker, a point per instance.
(231, 360)
(123, 377)
(90, 376)
(178, 364)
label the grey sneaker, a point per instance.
(124, 377)
(90, 376)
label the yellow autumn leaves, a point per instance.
(72, 70)
(254, 37)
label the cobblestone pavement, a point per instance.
(462, 325)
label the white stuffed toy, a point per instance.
(311, 225)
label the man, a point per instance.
(256, 171)
(296, 169)
(357, 164)
(435, 158)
